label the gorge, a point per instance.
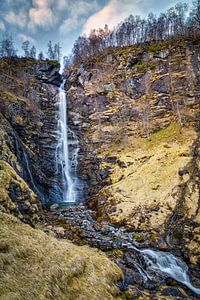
(125, 146)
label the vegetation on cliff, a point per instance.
(133, 102)
(136, 111)
(174, 25)
(35, 265)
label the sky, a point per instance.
(64, 20)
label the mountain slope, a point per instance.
(136, 112)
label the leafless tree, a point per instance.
(7, 48)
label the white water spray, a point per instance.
(66, 137)
(164, 263)
(168, 264)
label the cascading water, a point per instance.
(162, 264)
(165, 264)
(169, 265)
(66, 161)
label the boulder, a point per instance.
(49, 73)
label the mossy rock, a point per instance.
(16, 196)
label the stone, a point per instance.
(54, 207)
(109, 58)
(174, 292)
(49, 72)
(109, 87)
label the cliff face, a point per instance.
(136, 112)
(28, 133)
(35, 265)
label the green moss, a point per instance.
(118, 253)
(169, 134)
(129, 90)
(146, 66)
(154, 47)
(53, 63)
(24, 195)
(138, 237)
(154, 237)
(7, 96)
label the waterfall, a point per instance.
(67, 152)
(164, 263)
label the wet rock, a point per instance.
(84, 77)
(54, 207)
(111, 159)
(49, 73)
(104, 173)
(174, 292)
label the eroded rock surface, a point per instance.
(136, 112)
(28, 123)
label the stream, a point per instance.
(144, 267)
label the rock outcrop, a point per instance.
(35, 265)
(136, 112)
(28, 122)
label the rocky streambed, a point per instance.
(148, 265)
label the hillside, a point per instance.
(136, 112)
(34, 264)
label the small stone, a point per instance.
(172, 291)
(54, 207)
(109, 87)
(183, 172)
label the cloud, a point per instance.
(78, 12)
(71, 24)
(83, 7)
(23, 37)
(42, 3)
(62, 4)
(114, 12)
(41, 15)
(19, 18)
(2, 26)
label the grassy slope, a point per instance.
(36, 266)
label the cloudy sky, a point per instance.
(64, 20)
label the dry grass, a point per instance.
(36, 266)
(147, 187)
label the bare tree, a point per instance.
(57, 52)
(33, 52)
(26, 48)
(50, 51)
(7, 48)
(41, 56)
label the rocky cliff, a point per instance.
(136, 113)
(28, 127)
(34, 264)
